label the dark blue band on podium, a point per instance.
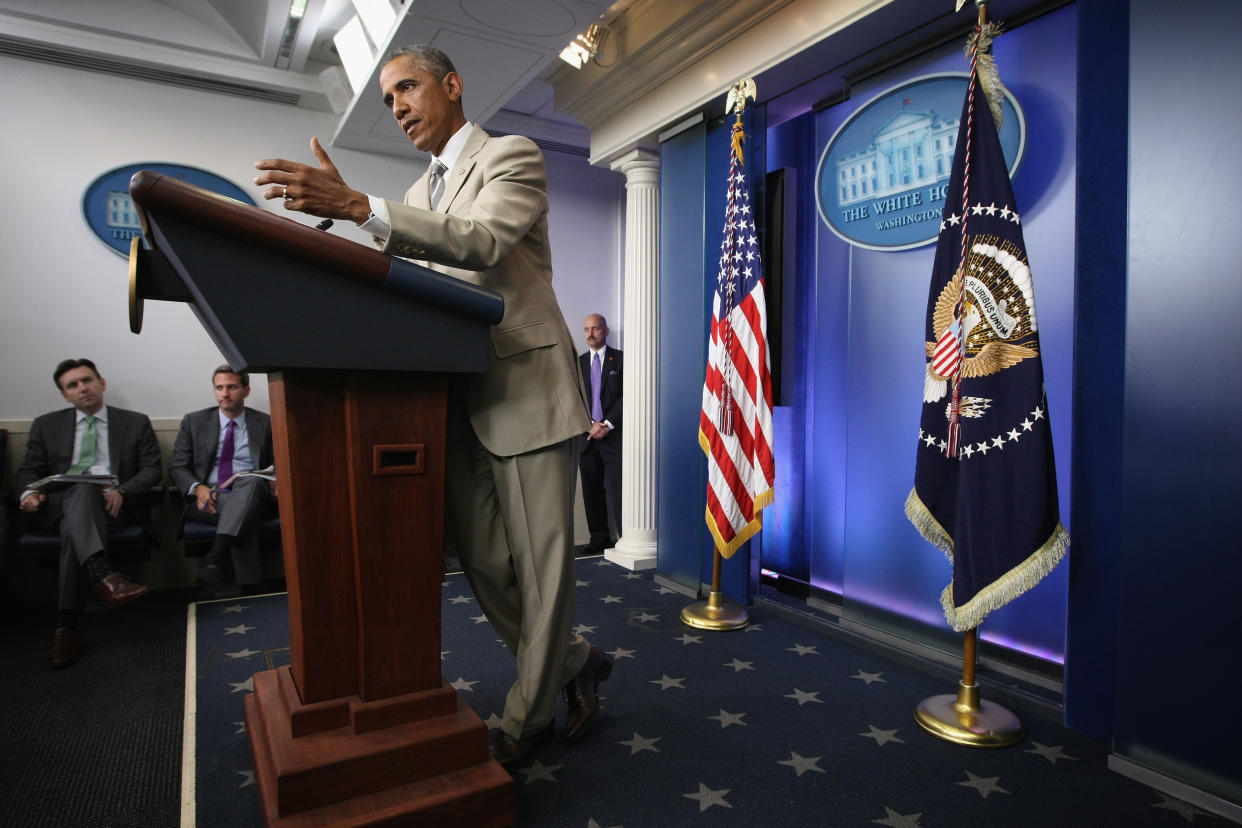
(432, 288)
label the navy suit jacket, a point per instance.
(194, 452)
(610, 389)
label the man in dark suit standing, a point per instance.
(599, 457)
(479, 214)
(213, 445)
(96, 439)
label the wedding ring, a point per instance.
(285, 193)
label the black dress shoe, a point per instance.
(210, 573)
(509, 751)
(582, 694)
(64, 650)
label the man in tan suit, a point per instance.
(480, 214)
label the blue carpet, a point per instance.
(774, 725)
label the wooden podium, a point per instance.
(361, 728)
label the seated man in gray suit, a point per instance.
(88, 439)
(213, 445)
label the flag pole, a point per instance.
(964, 718)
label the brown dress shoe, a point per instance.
(116, 589)
(64, 649)
(509, 751)
(582, 694)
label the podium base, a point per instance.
(966, 720)
(422, 762)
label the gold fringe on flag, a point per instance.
(1001, 591)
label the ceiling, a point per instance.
(249, 48)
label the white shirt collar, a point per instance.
(224, 418)
(101, 416)
(453, 147)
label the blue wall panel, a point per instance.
(1180, 557)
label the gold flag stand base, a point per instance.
(716, 613)
(966, 720)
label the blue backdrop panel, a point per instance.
(1179, 550)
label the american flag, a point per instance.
(735, 424)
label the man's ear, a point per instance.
(453, 86)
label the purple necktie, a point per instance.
(597, 410)
(225, 470)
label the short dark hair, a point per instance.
(228, 369)
(69, 365)
(428, 58)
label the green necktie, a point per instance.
(87, 458)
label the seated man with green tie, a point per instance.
(88, 439)
(212, 446)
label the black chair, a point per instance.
(198, 535)
(131, 543)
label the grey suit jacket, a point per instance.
(132, 450)
(491, 229)
(194, 451)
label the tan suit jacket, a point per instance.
(491, 229)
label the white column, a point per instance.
(636, 549)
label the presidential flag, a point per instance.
(985, 488)
(735, 423)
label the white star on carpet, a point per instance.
(642, 618)
(1185, 810)
(1051, 752)
(240, 629)
(621, 652)
(247, 778)
(591, 823)
(706, 797)
(478, 619)
(246, 653)
(896, 820)
(582, 583)
(726, 718)
(869, 677)
(802, 650)
(739, 666)
(984, 785)
(882, 737)
(461, 599)
(584, 628)
(754, 628)
(687, 638)
(641, 743)
(246, 686)
(443, 653)
(493, 721)
(539, 771)
(611, 599)
(802, 764)
(634, 576)
(232, 608)
(665, 591)
(462, 684)
(241, 728)
(666, 681)
(803, 697)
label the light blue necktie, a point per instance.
(597, 410)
